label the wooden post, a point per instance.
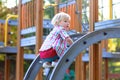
(7, 68)
(106, 69)
(1, 31)
(79, 68)
(95, 50)
(78, 16)
(20, 60)
(56, 7)
(106, 41)
(84, 67)
(78, 62)
(39, 30)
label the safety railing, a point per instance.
(6, 27)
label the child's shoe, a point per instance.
(46, 65)
(54, 63)
(46, 71)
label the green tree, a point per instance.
(118, 45)
(4, 10)
(49, 11)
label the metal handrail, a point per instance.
(6, 27)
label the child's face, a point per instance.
(65, 24)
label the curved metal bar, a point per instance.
(33, 69)
(80, 45)
(6, 27)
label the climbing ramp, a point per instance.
(67, 59)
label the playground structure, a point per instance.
(31, 22)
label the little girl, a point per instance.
(56, 42)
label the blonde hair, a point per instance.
(60, 17)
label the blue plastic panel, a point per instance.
(107, 24)
(29, 56)
(67, 4)
(25, 1)
(28, 41)
(105, 55)
(13, 22)
(1, 44)
(28, 30)
(8, 50)
(2, 21)
(46, 24)
(10, 22)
